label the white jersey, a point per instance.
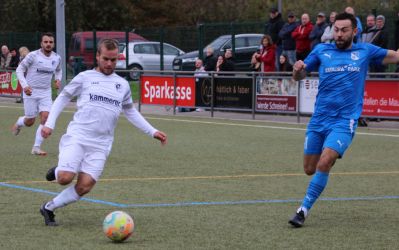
(37, 70)
(101, 98)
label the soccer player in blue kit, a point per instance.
(342, 70)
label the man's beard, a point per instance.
(343, 44)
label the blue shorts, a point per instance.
(329, 132)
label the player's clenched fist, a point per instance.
(46, 132)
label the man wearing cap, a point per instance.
(273, 28)
(318, 29)
(288, 43)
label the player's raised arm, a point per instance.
(299, 71)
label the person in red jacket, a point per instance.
(267, 54)
(301, 37)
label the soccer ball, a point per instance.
(118, 226)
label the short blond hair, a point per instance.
(23, 51)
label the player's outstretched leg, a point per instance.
(67, 196)
(16, 128)
(315, 188)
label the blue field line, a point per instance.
(204, 203)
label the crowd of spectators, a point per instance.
(10, 59)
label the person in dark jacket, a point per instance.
(381, 39)
(210, 60)
(14, 59)
(318, 29)
(285, 65)
(288, 43)
(226, 62)
(274, 26)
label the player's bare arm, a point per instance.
(299, 71)
(391, 57)
(161, 136)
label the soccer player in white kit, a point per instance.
(35, 74)
(102, 96)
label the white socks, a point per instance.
(20, 121)
(38, 139)
(67, 196)
(304, 209)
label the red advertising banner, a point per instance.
(9, 85)
(381, 98)
(160, 90)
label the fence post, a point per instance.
(212, 92)
(298, 103)
(174, 92)
(233, 40)
(253, 94)
(94, 47)
(139, 90)
(161, 38)
(200, 38)
(127, 48)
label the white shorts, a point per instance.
(33, 106)
(75, 157)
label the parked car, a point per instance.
(146, 56)
(82, 45)
(245, 46)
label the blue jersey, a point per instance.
(342, 74)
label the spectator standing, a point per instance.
(301, 37)
(288, 43)
(199, 69)
(210, 59)
(14, 58)
(351, 10)
(370, 30)
(318, 29)
(275, 24)
(381, 40)
(328, 36)
(285, 65)
(23, 52)
(267, 54)
(226, 62)
(5, 57)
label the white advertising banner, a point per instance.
(307, 94)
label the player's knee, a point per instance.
(82, 190)
(29, 122)
(309, 169)
(64, 179)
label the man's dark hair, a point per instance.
(49, 34)
(347, 16)
(108, 43)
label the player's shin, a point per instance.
(67, 196)
(315, 188)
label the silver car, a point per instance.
(146, 56)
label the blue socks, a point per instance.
(315, 188)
